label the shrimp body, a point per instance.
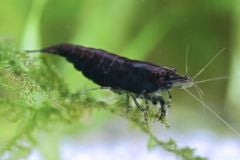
(109, 70)
(143, 79)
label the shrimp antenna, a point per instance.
(213, 112)
(93, 89)
(186, 60)
(199, 91)
(221, 51)
(32, 51)
(212, 79)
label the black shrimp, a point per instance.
(137, 79)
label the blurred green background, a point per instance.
(158, 31)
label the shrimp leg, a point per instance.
(137, 104)
(162, 109)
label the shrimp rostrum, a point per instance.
(137, 79)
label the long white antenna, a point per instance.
(212, 79)
(221, 51)
(199, 90)
(186, 60)
(213, 112)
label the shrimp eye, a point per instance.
(162, 72)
